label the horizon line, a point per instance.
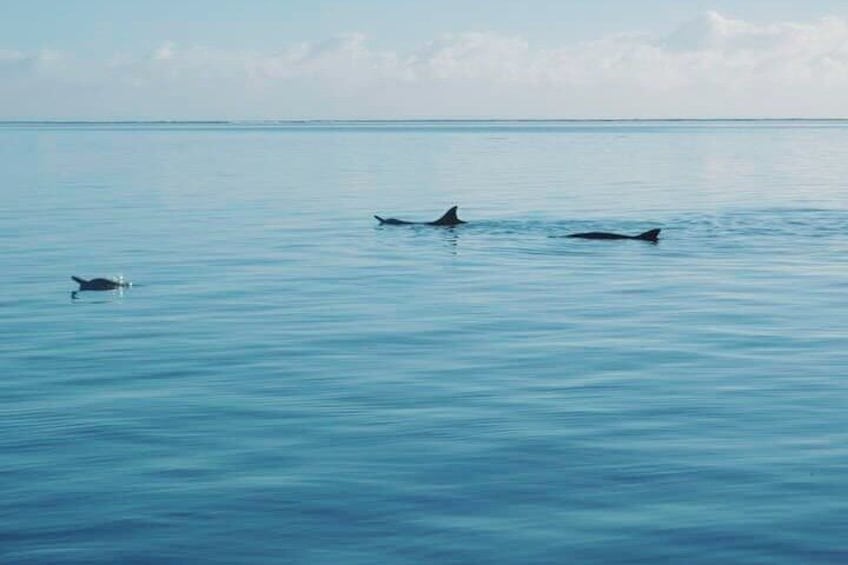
(406, 120)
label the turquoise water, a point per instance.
(287, 382)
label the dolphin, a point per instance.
(449, 218)
(650, 235)
(98, 284)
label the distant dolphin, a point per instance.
(98, 284)
(650, 235)
(448, 219)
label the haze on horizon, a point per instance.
(93, 60)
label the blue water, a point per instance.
(288, 382)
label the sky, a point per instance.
(405, 59)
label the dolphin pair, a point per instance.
(98, 284)
(450, 219)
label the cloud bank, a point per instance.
(712, 66)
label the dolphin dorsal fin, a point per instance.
(79, 280)
(449, 218)
(650, 235)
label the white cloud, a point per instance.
(165, 51)
(19, 60)
(710, 66)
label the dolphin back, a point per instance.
(449, 218)
(650, 235)
(391, 221)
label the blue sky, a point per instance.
(263, 59)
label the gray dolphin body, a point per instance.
(650, 235)
(97, 284)
(449, 218)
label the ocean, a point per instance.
(287, 381)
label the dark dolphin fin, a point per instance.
(78, 280)
(448, 219)
(650, 235)
(379, 219)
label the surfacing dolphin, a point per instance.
(449, 218)
(650, 235)
(98, 284)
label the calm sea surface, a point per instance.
(288, 382)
